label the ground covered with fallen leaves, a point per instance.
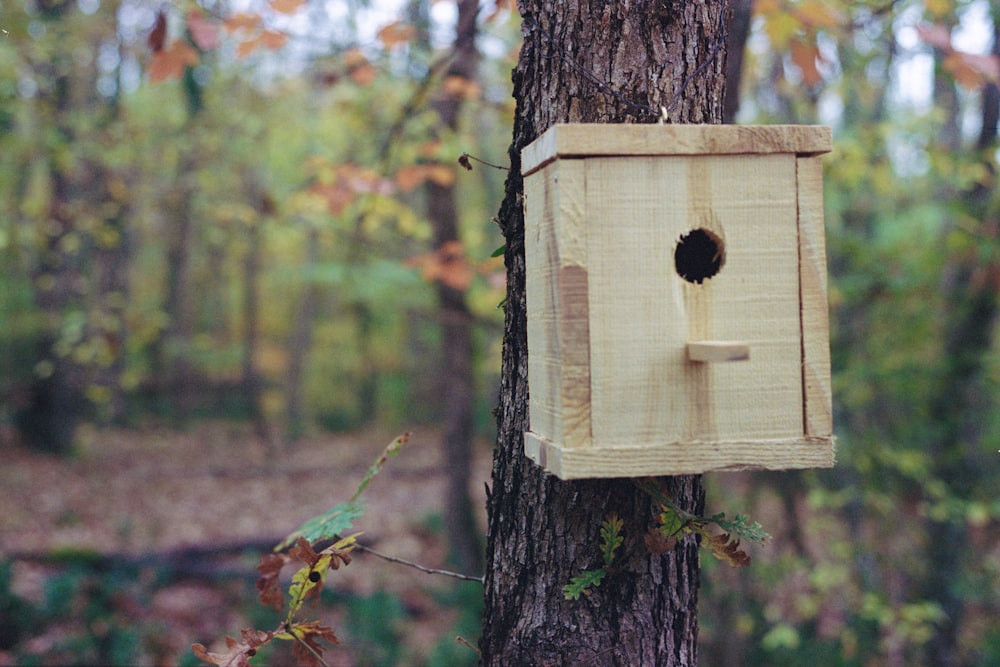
(170, 526)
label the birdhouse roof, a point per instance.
(582, 140)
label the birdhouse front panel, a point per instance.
(676, 299)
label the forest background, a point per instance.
(254, 213)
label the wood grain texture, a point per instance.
(680, 457)
(711, 351)
(557, 301)
(818, 397)
(642, 313)
(575, 140)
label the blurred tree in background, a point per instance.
(228, 209)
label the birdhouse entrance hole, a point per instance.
(700, 254)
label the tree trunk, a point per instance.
(957, 447)
(456, 324)
(590, 62)
(301, 344)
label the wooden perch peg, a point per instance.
(717, 350)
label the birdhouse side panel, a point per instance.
(818, 409)
(557, 304)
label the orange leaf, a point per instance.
(248, 46)
(461, 88)
(805, 57)
(409, 177)
(242, 21)
(337, 195)
(359, 68)
(396, 33)
(273, 40)
(287, 6)
(441, 174)
(972, 71)
(447, 265)
(171, 63)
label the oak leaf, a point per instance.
(728, 550)
(268, 584)
(239, 653)
(308, 635)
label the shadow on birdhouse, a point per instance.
(677, 302)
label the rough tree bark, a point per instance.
(590, 61)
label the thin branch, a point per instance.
(417, 566)
(319, 657)
(465, 157)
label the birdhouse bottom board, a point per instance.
(677, 316)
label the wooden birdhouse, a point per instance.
(676, 299)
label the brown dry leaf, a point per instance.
(171, 63)
(395, 34)
(310, 634)
(287, 6)
(239, 653)
(304, 552)
(728, 550)
(268, 583)
(158, 35)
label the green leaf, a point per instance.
(499, 252)
(611, 537)
(338, 519)
(392, 449)
(580, 585)
(742, 527)
(671, 522)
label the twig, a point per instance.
(465, 642)
(465, 157)
(306, 644)
(417, 566)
